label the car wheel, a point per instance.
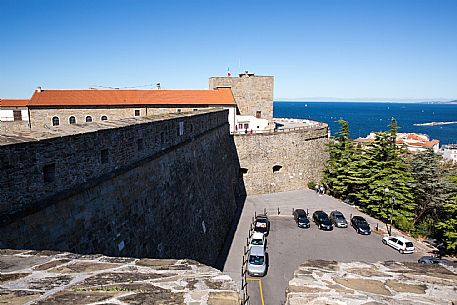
(422, 262)
(384, 242)
(401, 251)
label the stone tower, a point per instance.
(253, 94)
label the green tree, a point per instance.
(389, 180)
(447, 226)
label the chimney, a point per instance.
(38, 89)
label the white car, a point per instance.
(399, 243)
(257, 262)
(257, 239)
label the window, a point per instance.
(104, 118)
(243, 171)
(137, 112)
(72, 120)
(195, 109)
(17, 115)
(276, 168)
(246, 125)
(181, 128)
(49, 172)
(139, 144)
(55, 121)
(258, 114)
(104, 155)
(88, 119)
(178, 110)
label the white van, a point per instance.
(399, 243)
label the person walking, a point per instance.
(322, 190)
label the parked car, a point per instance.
(399, 243)
(338, 219)
(435, 260)
(360, 225)
(257, 239)
(301, 218)
(262, 224)
(322, 221)
(257, 263)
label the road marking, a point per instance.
(260, 288)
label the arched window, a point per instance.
(88, 119)
(55, 121)
(72, 120)
(104, 118)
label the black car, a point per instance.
(321, 219)
(360, 225)
(338, 219)
(301, 218)
(435, 260)
(262, 224)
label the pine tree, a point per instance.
(447, 225)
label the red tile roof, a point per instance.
(220, 96)
(14, 102)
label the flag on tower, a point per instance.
(228, 72)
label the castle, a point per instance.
(122, 181)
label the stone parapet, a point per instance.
(329, 282)
(48, 277)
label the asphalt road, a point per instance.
(288, 246)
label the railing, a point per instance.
(279, 130)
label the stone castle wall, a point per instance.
(151, 189)
(252, 93)
(282, 161)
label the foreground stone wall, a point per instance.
(142, 190)
(282, 161)
(67, 278)
(329, 282)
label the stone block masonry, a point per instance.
(158, 188)
(253, 94)
(282, 160)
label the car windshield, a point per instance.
(256, 260)
(363, 224)
(302, 219)
(409, 244)
(339, 217)
(257, 242)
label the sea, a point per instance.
(366, 117)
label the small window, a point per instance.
(246, 125)
(72, 120)
(181, 128)
(104, 118)
(195, 109)
(88, 119)
(243, 171)
(49, 172)
(104, 155)
(276, 168)
(162, 138)
(17, 115)
(139, 144)
(55, 121)
(258, 114)
(178, 110)
(137, 112)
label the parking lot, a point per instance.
(288, 246)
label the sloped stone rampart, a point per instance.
(66, 278)
(322, 282)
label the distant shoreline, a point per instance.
(435, 123)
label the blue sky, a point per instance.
(321, 48)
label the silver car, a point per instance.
(338, 219)
(257, 265)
